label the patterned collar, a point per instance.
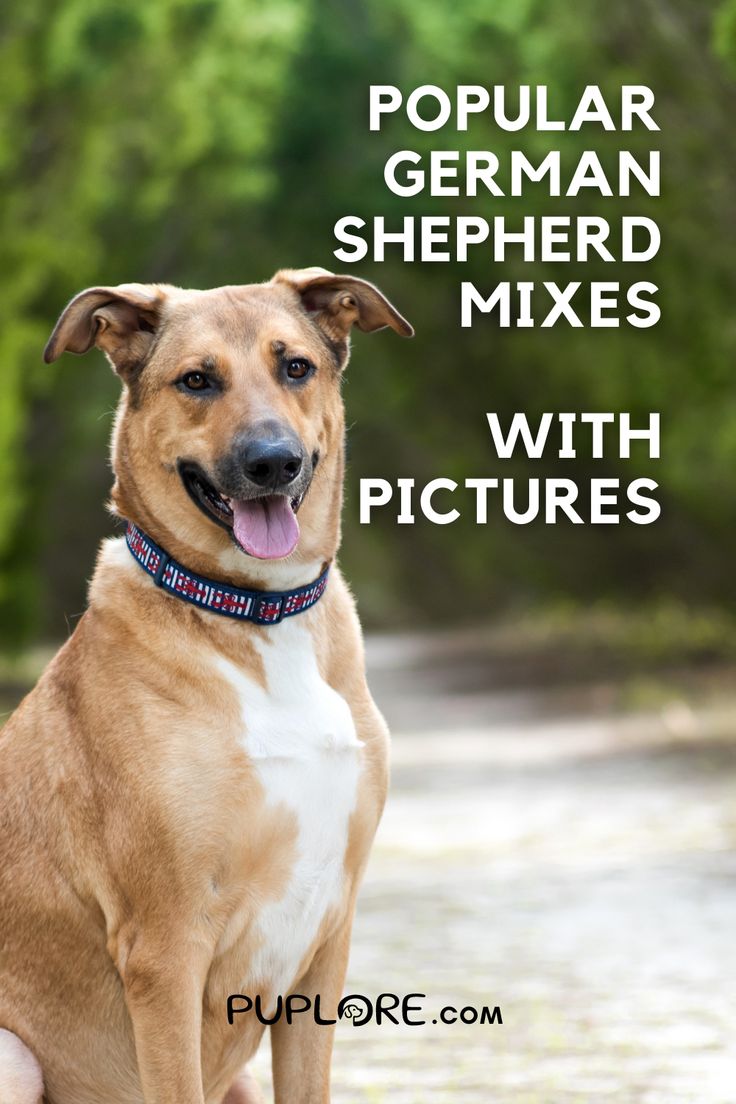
(258, 606)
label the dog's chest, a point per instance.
(299, 734)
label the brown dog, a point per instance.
(189, 794)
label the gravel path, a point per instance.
(571, 865)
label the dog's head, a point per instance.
(231, 421)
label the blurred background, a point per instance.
(560, 835)
(203, 142)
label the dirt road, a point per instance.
(571, 864)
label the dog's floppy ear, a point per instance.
(339, 302)
(122, 321)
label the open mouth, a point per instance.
(264, 526)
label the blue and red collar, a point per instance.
(258, 606)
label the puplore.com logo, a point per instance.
(359, 1010)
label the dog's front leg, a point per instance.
(301, 1051)
(164, 982)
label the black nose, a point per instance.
(271, 463)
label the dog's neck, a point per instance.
(223, 562)
(204, 549)
(262, 607)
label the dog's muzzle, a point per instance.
(256, 489)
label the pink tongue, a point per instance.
(265, 527)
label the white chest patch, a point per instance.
(300, 735)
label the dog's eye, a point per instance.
(298, 368)
(195, 381)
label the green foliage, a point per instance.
(211, 141)
(134, 140)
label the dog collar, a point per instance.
(258, 606)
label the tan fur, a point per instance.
(136, 848)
